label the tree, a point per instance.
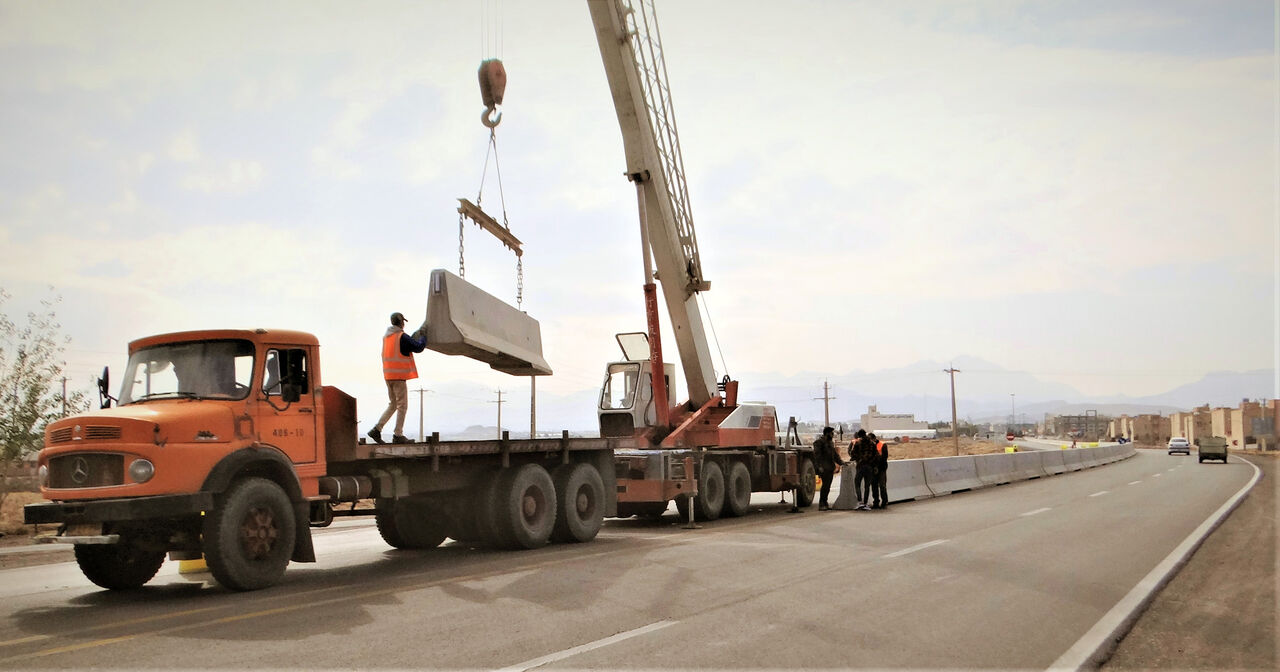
(31, 367)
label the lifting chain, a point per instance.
(462, 263)
(519, 282)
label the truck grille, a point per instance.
(91, 433)
(86, 470)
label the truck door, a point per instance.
(284, 422)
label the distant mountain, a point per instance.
(1220, 388)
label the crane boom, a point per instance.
(631, 49)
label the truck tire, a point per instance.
(524, 512)
(409, 525)
(248, 540)
(120, 566)
(737, 492)
(804, 493)
(710, 499)
(580, 502)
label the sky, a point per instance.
(1082, 191)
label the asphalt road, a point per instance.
(1012, 576)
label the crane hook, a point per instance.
(490, 117)
(493, 84)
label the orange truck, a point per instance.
(225, 444)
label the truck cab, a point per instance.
(203, 418)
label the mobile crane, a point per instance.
(733, 447)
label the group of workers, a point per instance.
(870, 456)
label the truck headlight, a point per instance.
(43, 474)
(141, 470)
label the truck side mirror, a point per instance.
(104, 386)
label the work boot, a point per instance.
(400, 438)
(376, 435)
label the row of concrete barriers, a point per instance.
(934, 476)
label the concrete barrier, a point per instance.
(951, 474)
(1071, 460)
(1089, 457)
(1053, 463)
(995, 469)
(906, 480)
(1027, 466)
(847, 498)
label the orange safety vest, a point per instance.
(396, 366)
(880, 447)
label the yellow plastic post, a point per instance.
(1011, 449)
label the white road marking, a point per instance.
(1032, 513)
(561, 655)
(917, 547)
(1099, 493)
(1156, 475)
(1134, 482)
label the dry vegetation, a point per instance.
(11, 515)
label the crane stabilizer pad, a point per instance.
(463, 319)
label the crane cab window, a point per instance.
(286, 373)
(619, 386)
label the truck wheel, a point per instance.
(737, 497)
(804, 493)
(409, 525)
(580, 502)
(121, 566)
(249, 539)
(710, 500)
(524, 507)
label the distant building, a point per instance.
(875, 421)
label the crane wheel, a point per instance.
(737, 497)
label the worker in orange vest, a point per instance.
(880, 484)
(398, 369)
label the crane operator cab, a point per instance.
(626, 398)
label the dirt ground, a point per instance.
(919, 448)
(11, 526)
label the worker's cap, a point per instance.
(828, 430)
(861, 434)
(397, 319)
(872, 436)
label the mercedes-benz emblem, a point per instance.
(80, 471)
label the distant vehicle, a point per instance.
(1213, 448)
(1179, 444)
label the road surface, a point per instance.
(1012, 576)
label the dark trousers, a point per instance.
(882, 486)
(862, 481)
(826, 477)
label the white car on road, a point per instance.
(1179, 444)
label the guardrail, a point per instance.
(934, 476)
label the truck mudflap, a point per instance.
(116, 510)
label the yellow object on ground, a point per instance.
(1011, 449)
(192, 566)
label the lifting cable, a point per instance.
(493, 83)
(711, 323)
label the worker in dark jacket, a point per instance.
(825, 461)
(863, 453)
(880, 486)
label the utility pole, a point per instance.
(421, 416)
(955, 428)
(499, 402)
(1012, 414)
(826, 404)
(64, 396)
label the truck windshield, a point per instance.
(619, 386)
(199, 370)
